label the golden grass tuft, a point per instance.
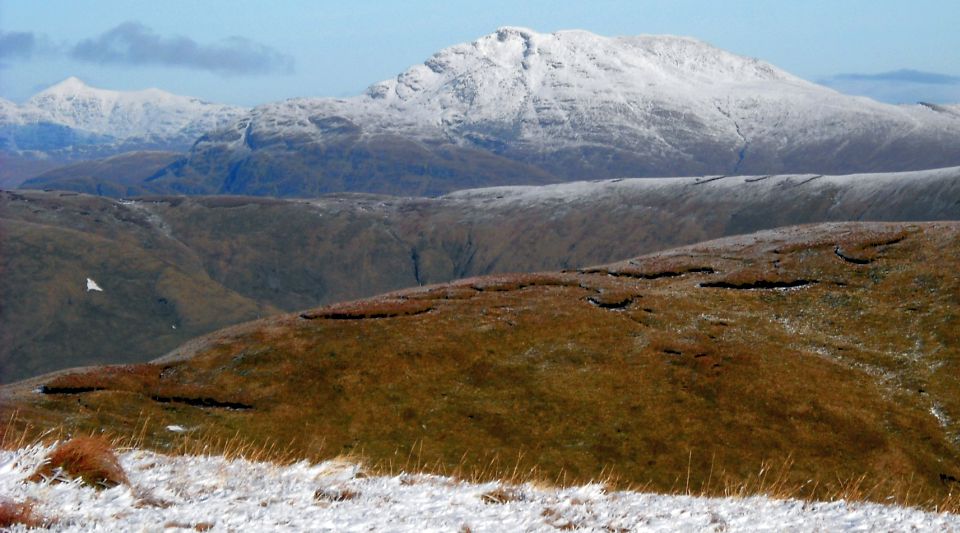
(14, 513)
(90, 459)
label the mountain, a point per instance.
(71, 121)
(769, 352)
(520, 107)
(172, 268)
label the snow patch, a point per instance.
(334, 496)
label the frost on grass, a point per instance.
(88, 459)
(216, 494)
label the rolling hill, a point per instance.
(828, 349)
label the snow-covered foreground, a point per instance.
(234, 495)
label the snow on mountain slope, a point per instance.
(512, 107)
(568, 105)
(212, 493)
(763, 189)
(149, 117)
(574, 88)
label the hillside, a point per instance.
(121, 175)
(774, 348)
(521, 107)
(199, 264)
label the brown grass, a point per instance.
(90, 459)
(14, 513)
(385, 308)
(515, 282)
(774, 479)
(200, 526)
(335, 494)
(658, 267)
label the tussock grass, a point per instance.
(90, 459)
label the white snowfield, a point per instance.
(186, 492)
(150, 115)
(650, 94)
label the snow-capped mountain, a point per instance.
(513, 107)
(518, 106)
(72, 116)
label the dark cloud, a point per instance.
(132, 43)
(17, 44)
(903, 75)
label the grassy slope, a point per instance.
(655, 377)
(156, 293)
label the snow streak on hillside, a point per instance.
(211, 492)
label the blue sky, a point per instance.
(247, 52)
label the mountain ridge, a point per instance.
(71, 121)
(542, 108)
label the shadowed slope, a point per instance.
(119, 176)
(702, 361)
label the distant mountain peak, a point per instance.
(505, 32)
(71, 83)
(150, 118)
(71, 86)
